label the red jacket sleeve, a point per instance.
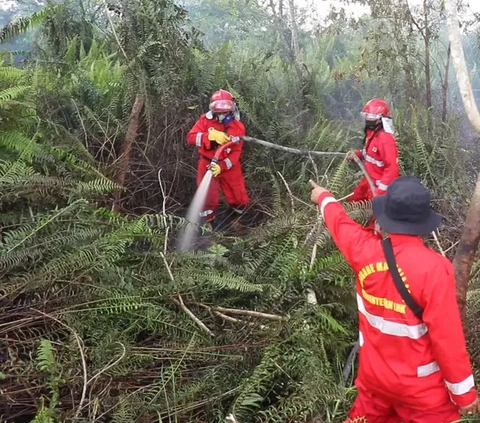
(198, 135)
(389, 155)
(442, 318)
(233, 157)
(348, 235)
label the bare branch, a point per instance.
(192, 316)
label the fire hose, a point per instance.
(338, 154)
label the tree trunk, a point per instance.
(296, 48)
(471, 232)
(290, 47)
(134, 122)
(445, 85)
(427, 58)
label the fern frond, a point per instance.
(46, 357)
(96, 187)
(223, 280)
(13, 93)
(338, 181)
(22, 25)
(11, 73)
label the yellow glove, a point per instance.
(216, 169)
(218, 136)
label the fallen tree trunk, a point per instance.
(470, 238)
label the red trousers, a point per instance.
(231, 182)
(369, 408)
(362, 191)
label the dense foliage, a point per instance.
(102, 319)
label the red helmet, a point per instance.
(222, 102)
(375, 109)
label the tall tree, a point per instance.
(426, 37)
(470, 238)
(293, 23)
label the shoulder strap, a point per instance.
(401, 288)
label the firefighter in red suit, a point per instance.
(380, 155)
(217, 127)
(410, 370)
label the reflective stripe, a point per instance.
(361, 341)
(391, 328)
(206, 213)
(228, 150)
(228, 163)
(379, 184)
(326, 201)
(370, 159)
(198, 139)
(371, 116)
(238, 210)
(461, 388)
(427, 369)
(364, 153)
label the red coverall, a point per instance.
(231, 177)
(410, 371)
(381, 163)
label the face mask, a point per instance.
(370, 124)
(224, 118)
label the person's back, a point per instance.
(405, 369)
(408, 365)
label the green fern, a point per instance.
(46, 357)
(337, 183)
(22, 25)
(9, 95)
(10, 73)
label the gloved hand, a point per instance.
(218, 136)
(216, 169)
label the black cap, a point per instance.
(405, 208)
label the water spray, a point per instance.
(201, 193)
